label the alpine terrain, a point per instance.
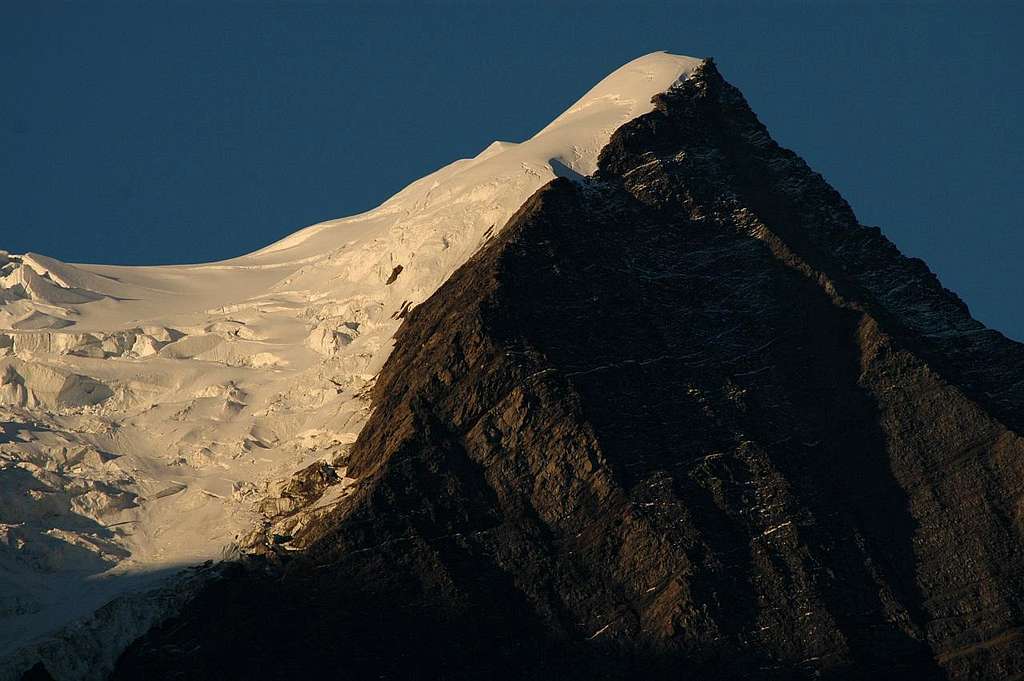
(635, 398)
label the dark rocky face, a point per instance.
(683, 419)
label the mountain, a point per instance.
(676, 414)
(682, 417)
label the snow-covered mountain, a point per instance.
(151, 416)
(637, 398)
(682, 418)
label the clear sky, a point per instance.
(174, 132)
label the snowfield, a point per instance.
(148, 415)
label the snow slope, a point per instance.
(147, 414)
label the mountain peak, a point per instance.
(685, 416)
(690, 420)
(641, 79)
(627, 90)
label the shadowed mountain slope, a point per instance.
(684, 418)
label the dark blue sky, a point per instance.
(159, 133)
